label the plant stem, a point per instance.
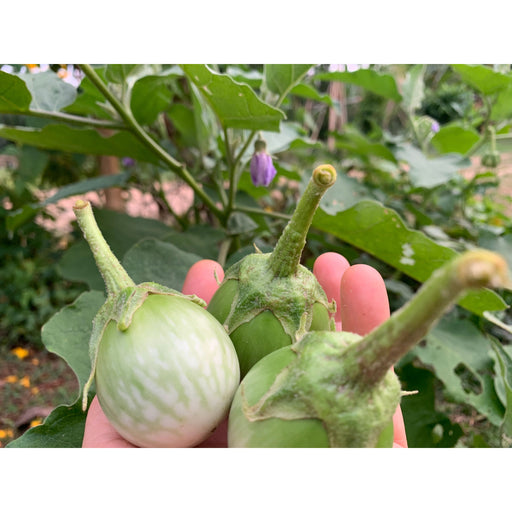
(379, 350)
(71, 119)
(115, 276)
(259, 211)
(149, 142)
(285, 258)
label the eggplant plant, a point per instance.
(338, 389)
(165, 370)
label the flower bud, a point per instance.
(262, 168)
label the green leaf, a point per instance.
(152, 260)
(119, 73)
(205, 125)
(430, 172)
(63, 428)
(505, 375)
(357, 144)
(280, 78)
(79, 140)
(309, 92)
(455, 139)
(48, 91)
(381, 232)
(67, 333)
(252, 77)
(425, 427)
(345, 192)
(14, 94)
(459, 353)
(20, 216)
(381, 84)
(121, 232)
(501, 109)
(90, 101)
(199, 239)
(150, 96)
(482, 78)
(183, 119)
(500, 244)
(413, 89)
(236, 105)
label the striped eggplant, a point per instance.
(164, 368)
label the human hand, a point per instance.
(362, 304)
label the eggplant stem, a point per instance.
(285, 258)
(115, 276)
(379, 350)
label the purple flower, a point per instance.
(262, 169)
(435, 126)
(127, 161)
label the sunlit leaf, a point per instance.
(235, 104)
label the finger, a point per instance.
(219, 437)
(364, 306)
(400, 438)
(364, 300)
(203, 279)
(99, 433)
(328, 269)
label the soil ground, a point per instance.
(32, 383)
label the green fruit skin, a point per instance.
(277, 432)
(169, 379)
(264, 333)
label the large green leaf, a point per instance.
(235, 104)
(381, 84)
(482, 78)
(199, 239)
(345, 192)
(459, 352)
(119, 73)
(80, 140)
(309, 92)
(413, 89)
(67, 333)
(280, 78)
(90, 101)
(501, 109)
(152, 260)
(121, 232)
(500, 244)
(48, 91)
(455, 139)
(63, 428)
(357, 144)
(381, 232)
(505, 374)
(150, 95)
(425, 426)
(14, 94)
(430, 172)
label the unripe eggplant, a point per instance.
(165, 369)
(338, 389)
(265, 299)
